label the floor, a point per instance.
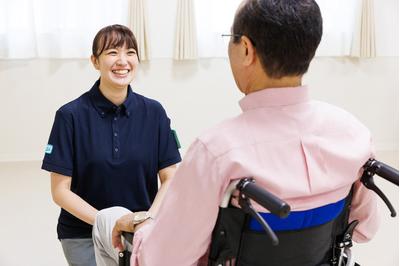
(29, 220)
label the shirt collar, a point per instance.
(274, 97)
(103, 106)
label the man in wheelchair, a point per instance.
(309, 153)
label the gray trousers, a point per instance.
(105, 253)
(79, 252)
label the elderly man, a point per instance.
(307, 152)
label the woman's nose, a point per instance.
(122, 60)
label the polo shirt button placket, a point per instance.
(115, 135)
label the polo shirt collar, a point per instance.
(104, 106)
(274, 97)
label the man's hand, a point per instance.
(123, 224)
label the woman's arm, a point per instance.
(166, 174)
(68, 200)
(125, 223)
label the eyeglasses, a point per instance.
(231, 35)
(236, 35)
(226, 40)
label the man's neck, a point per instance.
(264, 82)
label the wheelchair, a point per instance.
(242, 237)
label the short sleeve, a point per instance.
(168, 153)
(58, 156)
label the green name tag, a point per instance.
(178, 144)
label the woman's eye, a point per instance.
(132, 52)
(112, 53)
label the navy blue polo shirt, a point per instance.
(113, 153)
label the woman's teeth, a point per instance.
(121, 72)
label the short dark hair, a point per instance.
(285, 33)
(113, 36)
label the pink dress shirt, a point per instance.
(307, 152)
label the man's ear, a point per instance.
(248, 50)
(95, 62)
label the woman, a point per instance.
(107, 147)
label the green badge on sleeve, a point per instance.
(178, 144)
(49, 149)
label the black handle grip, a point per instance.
(372, 167)
(128, 236)
(387, 172)
(266, 199)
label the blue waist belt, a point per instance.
(300, 219)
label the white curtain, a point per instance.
(363, 45)
(339, 19)
(185, 38)
(139, 26)
(55, 29)
(214, 18)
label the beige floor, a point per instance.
(28, 222)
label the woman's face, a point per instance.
(117, 67)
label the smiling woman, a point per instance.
(108, 147)
(115, 56)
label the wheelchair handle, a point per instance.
(373, 167)
(383, 170)
(266, 199)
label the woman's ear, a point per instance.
(95, 62)
(249, 50)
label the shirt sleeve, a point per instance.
(168, 153)
(181, 232)
(58, 156)
(364, 208)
